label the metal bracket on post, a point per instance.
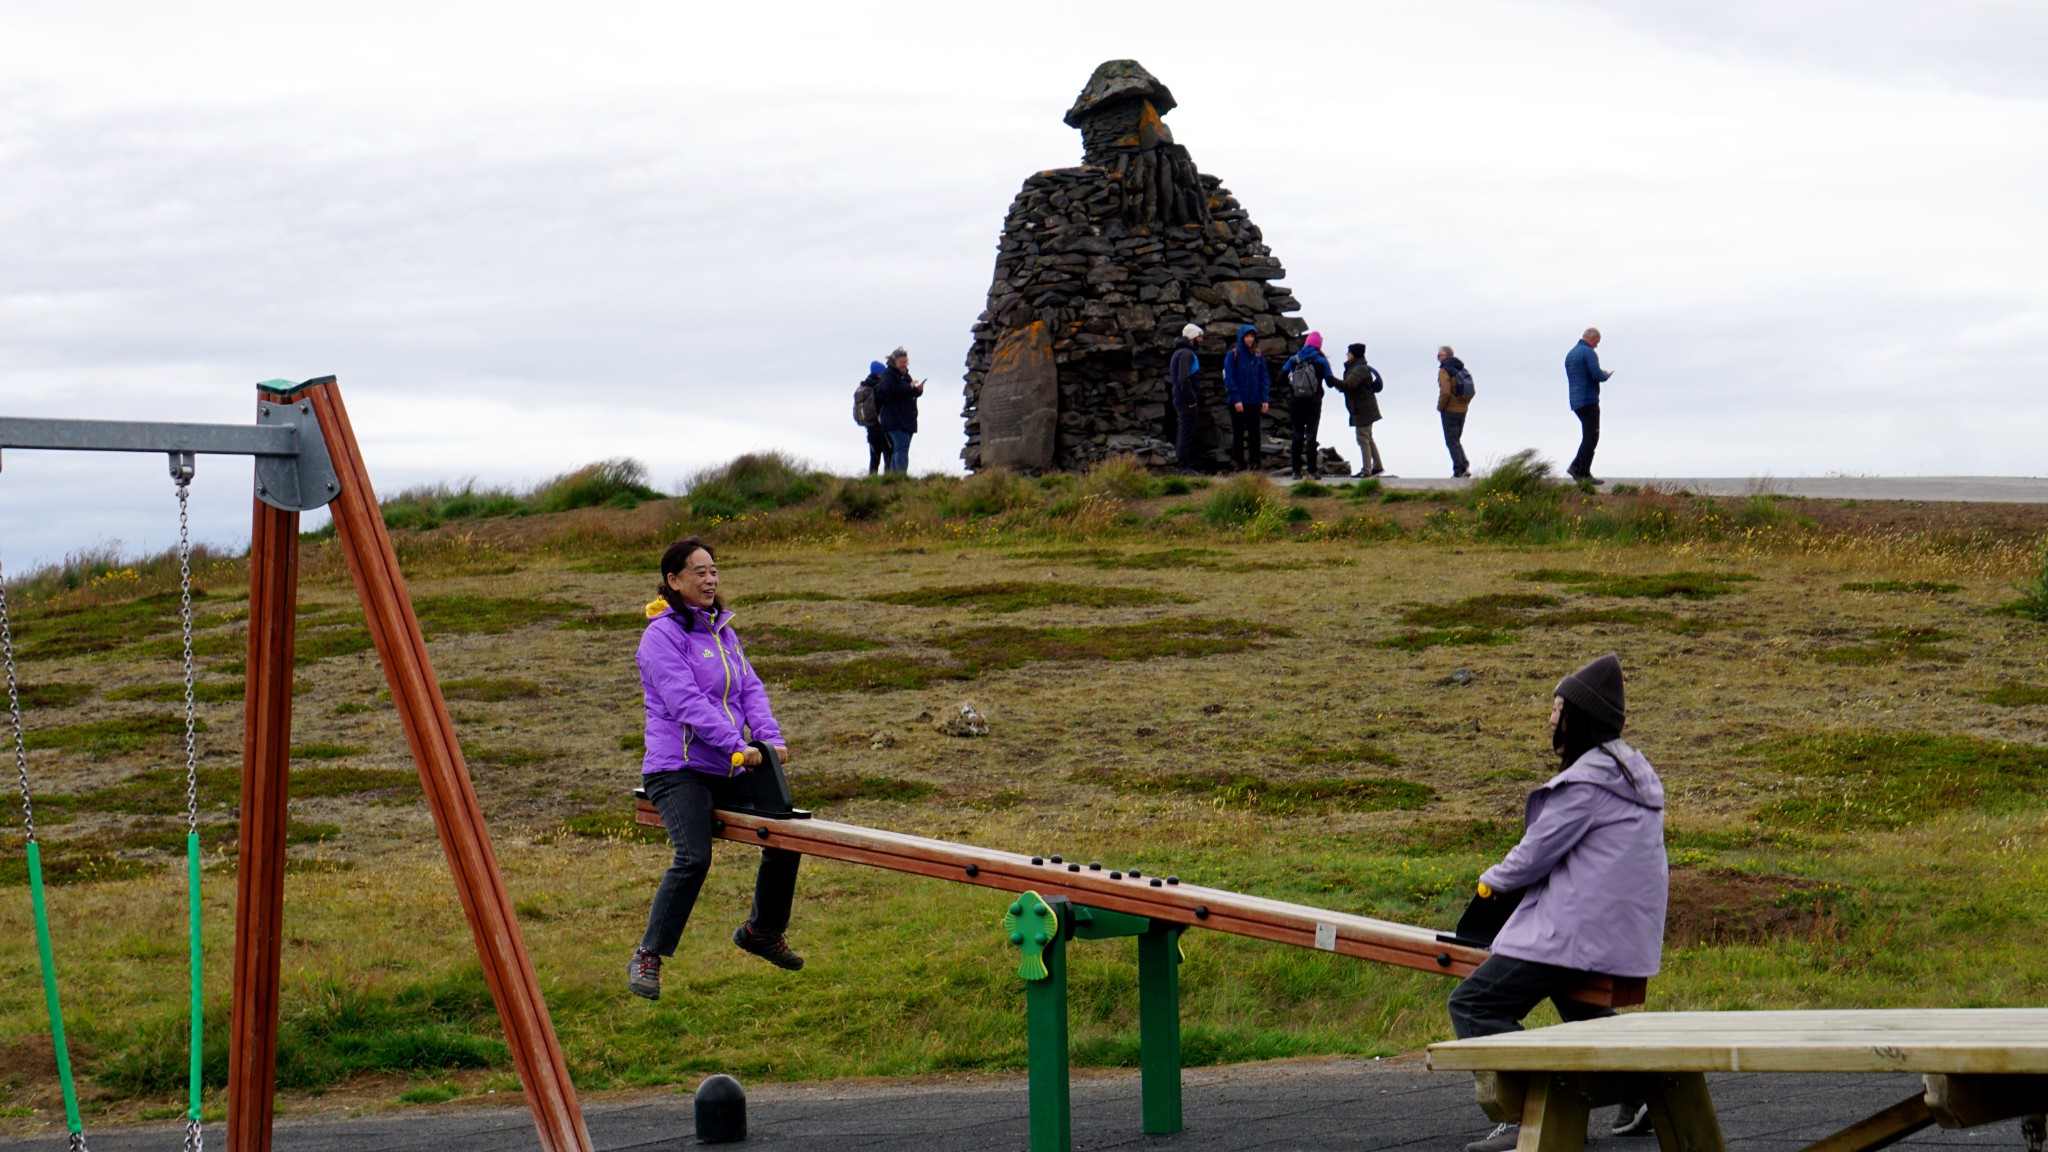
(183, 465)
(300, 482)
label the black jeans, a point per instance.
(1454, 439)
(878, 449)
(1589, 439)
(1245, 453)
(685, 800)
(1305, 419)
(1495, 997)
(1184, 443)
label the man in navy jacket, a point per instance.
(897, 394)
(1582, 372)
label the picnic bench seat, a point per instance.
(1978, 1066)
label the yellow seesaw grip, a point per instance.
(1485, 893)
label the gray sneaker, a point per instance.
(1502, 1139)
(774, 949)
(1632, 1119)
(643, 974)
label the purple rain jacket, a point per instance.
(703, 700)
(1592, 859)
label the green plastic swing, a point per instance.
(194, 1136)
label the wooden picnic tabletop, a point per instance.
(1937, 1040)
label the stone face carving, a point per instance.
(1098, 269)
(1020, 402)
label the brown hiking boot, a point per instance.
(774, 949)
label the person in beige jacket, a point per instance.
(1452, 407)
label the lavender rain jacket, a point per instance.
(703, 700)
(1592, 859)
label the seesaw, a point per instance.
(1062, 900)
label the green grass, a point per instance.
(1890, 645)
(1846, 781)
(317, 751)
(825, 788)
(50, 694)
(1417, 639)
(632, 621)
(1910, 587)
(2017, 695)
(492, 689)
(116, 736)
(754, 482)
(58, 633)
(1244, 791)
(470, 615)
(1493, 610)
(1308, 489)
(1241, 501)
(790, 640)
(1018, 595)
(1686, 585)
(862, 674)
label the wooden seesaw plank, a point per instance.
(1382, 941)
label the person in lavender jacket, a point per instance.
(704, 703)
(1593, 875)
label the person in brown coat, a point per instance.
(1452, 407)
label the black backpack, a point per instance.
(1461, 384)
(867, 410)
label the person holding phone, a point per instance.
(898, 394)
(704, 706)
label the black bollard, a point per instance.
(721, 1106)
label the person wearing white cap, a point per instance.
(1186, 393)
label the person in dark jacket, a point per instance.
(1186, 393)
(1593, 876)
(898, 394)
(704, 707)
(878, 440)
(1247, 385)
(1305, 414)
(1361, 386)
(1583, 377)
(1452, 407)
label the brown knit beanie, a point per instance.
(1596, 688)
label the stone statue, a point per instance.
(1098, 269)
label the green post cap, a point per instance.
(1031, 925)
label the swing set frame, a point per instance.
(307, 457)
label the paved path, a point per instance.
(1967, 489)
(1281, 1106)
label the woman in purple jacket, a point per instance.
(704, 704)
(1593, 878)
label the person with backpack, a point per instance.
(1361, 386)
(705, 707)
(1307, 371)
(1454, 392)
(897, 394)
(1186, 394)
(867, 412)
(1592, 878)
(1583, 377)
(1247, 385)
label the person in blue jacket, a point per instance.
(898, 395)
(1582, 373)
(1247, 385)
(1305, 413)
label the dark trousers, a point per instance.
(1184, 446)
(1589, 439)
(1305, 421)
(1495, 997)
(878, 449)
(1454, 439)
(685, 800)
(1245, 454)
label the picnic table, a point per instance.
(1978, 1066)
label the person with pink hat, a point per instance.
(1308, 373)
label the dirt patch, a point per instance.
(1713, 906)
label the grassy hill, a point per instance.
(1331, 696)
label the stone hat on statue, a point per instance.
(1115, 81)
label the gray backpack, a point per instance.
(1304, 382)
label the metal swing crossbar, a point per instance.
(181, 473)
(306, 457)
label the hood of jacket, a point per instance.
(1617, 768)
(715, 619)
(1452, 364)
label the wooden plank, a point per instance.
(1682, 1112)
(1362, 937)
(260, 839)
(1882, 1130)
(1967, 1101)
(451, 798)
(1950, 1041)
(1553, 1115)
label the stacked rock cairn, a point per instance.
(1099, 268)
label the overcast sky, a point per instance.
(530, 236)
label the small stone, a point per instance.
(881, 740)
(1461, 676)
(968, 722)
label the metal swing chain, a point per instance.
(28, 808)
(195, 1139)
